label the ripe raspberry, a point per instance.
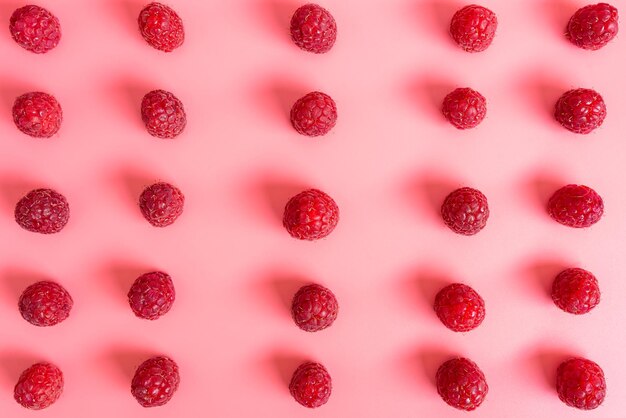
(459, 307)
(155, 381)
(37, 114)
(39, 386)
(152, 295)
(580, 110)
(473, 28)
(461, 384)
(161, 204)
(161, 27)
(163, 113)
(42, 210)
(593, 26)
(314, 114)
(311, 215)
(45, 304)
(576, 291)
(465, 211)
(311, 385)
(464, 108)
(314, 308)
(313, 29)
(576, 206)
(35, 29)
(580, 383)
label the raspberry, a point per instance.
(311, 385)
(314, 114)
(465, 211)
(461, 384)
(163, 113)
(580, 110)
(39, 386)
(473, 28)
(161, 204)
(580, 383)
(593, 26)
(464, 108)
(314, 308)
(42, 210)
(45, 304)
(576, 206)
(35, 29)
(459, 307)
(576, 291)
(313, 29)
(155, 381)
(311, 215)
(37, 114)
(161, 27)
(152, 295)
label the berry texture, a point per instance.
(155, 381)
(161, 204)
(313, 29)
(39, 386)
(310, 215)
(314, 114)
(465, 211)
(37, 114)
(593, 26)
(576, 291)
(576, 206)
(464, 108)
(35, 29)
(152, 295)
(45, 304)
(163, 114)
(161, 27)
(314, 308)
(311, 385)
(459, 307)
(42, 210)
(580, 383)
(580, 110)
(473, 28)
(461, 384)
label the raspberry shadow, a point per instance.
(284, 364)
(274, 192)
(545, 361)
(122, 362)
(433, 17)
(13, 363)
(427, 92)
(13, 188)
(17, 279)
(277, 95)
(120, 275)
(276, 16)
(427, 192)
(539, 274)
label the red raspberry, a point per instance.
(313, 29)
(461, 384)
(152, 295)
(593, 26)
(42, 210)
(464, 108)
(465, 211)
(155, 381)
(161, 27)
(311, 215)
(39, 386)
(311, 385)
(576, 206)
(45, 304)
(580, 110)
(314, 114)
(459, 307)
(163, 113)
(580, 383)
(161, 204)
(473, 28)
(576, 291)
(35, 29)
(37, 114)
(314, 308)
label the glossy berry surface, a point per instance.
(314, 114)
(473, 28)
(35, 29)
(155, 381)
(37, 114)
(163, 114)
(576, 291)
(39, 386)
(593, 26)
(161, 27)
(310, 215)
(311, 385)
(465, 211)
(45, 304)
(580, 383)
(161, 204)
(461, 384)
(580, 110)
(464, 108)
(42, 210)
(459, 307)
(314, 308)
(152, 295)
(313, 29)
(576, 206)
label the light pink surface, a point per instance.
(388, 163)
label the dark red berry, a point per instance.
(161, 204)
(39, 386)
(461, 384)
(580, 383)
(314, 308)
(161, 27)
(465, 211)
(576, 206)
(311, 215)
(37, 114)
(459, 307)
(464, 108)
(42, 210)
(35, 29)
(152, 295)
(155, 381)
(314, 114)
(163, 114)
(313, 29)
(473, 28)
(576, 291)
(580, 110)
(45, 304)
(311, 385)
(593, 26)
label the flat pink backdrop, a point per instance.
(388, 163)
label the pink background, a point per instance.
(388, 163)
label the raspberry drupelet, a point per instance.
(161, 27)
(155, 382)
(163, 114)
(464, 108)
(313, 29)
(314, 114)
(461, 384)
(152, 295)
(580, 383)
(161, 204)
(45, 304)
(580, 110)
(310, 215)
(35, 29)
(37, 114)
(576, 206)
(314, 308)
(473, 28)
(465, 211)
(593, 26)
(45, 211)
(311, 385)
(459, 307)
(39, 386)
(576, 291)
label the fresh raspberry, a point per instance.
(161, 204)
(576, 206)
(464, 108)
(576, 291)
(580, 110)
(155, 381)
(311, 385)
(473, 28)
(311, 215)
(39, 386)
(163, 113)
(461, 384)
(459, 307)
(465, 211)
(313, 29)
(161, 27)
(314, 308)
(42, 210)
(45, 304)
(580, 383)
(152, 295)
(314, 114)
(37, 114)
(593, 26)
(35, 29)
